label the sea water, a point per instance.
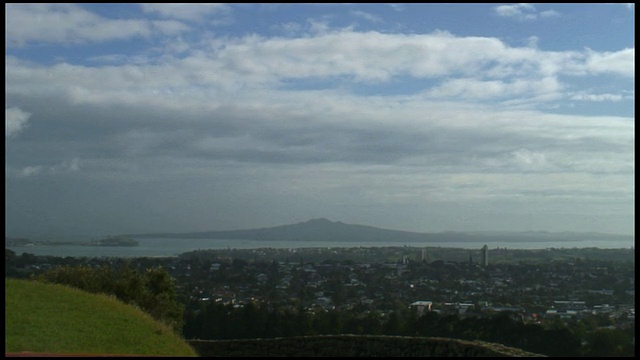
(163, 247)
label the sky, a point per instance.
(138, 118)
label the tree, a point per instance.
(609, 342)
(392, 326)
(160, 298)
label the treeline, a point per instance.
(152, 290)
(354, 346)
(219, 321)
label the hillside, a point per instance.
(55, 319)
(326, 230)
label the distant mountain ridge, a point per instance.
(327, 230)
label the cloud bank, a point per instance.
(426, 131)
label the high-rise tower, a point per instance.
(484, 255)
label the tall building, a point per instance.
(484, 255)
(424, 255)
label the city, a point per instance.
(535, 290)
(567, 288)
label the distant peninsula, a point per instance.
(336, 231)
(109, 241)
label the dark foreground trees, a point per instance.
(224, 321)
(152, 290)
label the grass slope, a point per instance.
(56, 319)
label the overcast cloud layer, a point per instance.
(124, 118)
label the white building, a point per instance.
(484, 255)
(421, 306)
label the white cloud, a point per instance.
(368, 56)
(367, 16)
(549, 14)
(15, 121)
(318, 26)
(30, 171)
(288, 28)
(512, 10)
(527, 158)
(120, 59)
(186, 11)
(532, 41)
(72, 165)
(597, 97)
(234, 86)
(66, 166)
(523, 12)
(619, 62)
(470, 68)
(478, 89)
(69, 23)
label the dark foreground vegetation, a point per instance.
(354, 346)
(219, 321)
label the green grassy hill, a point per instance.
(56, 319)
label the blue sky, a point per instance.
(124, 118)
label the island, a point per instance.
(115, 241)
